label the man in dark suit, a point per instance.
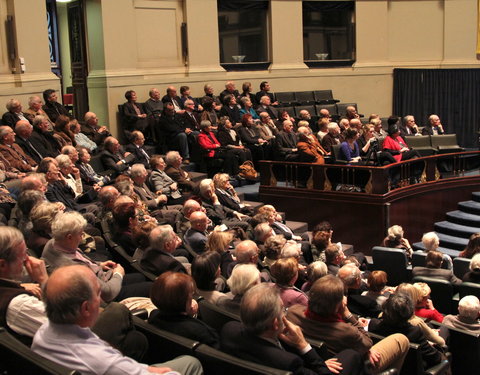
(14, 113)
(229, 90)
(52, 107)
(196, 236)
(23, 131)
(434, 126)
(137, 149)
(266, 106)
(42, 138)
(13, 152)
(408, 126)
(230, 109)
(173, 98)
(265, 91)
(172, 130)
(158, 258)
(96, 133)
(286, 143)
(333, 137)
(433, 263)
(265, 336)
(190, 118)
(175, 171)
(113, 158)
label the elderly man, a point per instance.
(467, 318)
(13, 152)
(266, 128)
(161, 183)
(433, 263)
(196, 235)
(434, 126)
(139, 176)
(107, 197)
(408, 126)
(286, 143)
(96, 133)
(35, 109)
(378, 131)
(332, 138)
(182, 220)
(52, 107)
(14, 114)
(266, 106)
(355, 123)
(159, 257)
(328, 318)
(42, 138)
(137, 149)
(351, 112)
(23, 131)
(304, 115)
(210, 96)
(246, 252)
(264, 331)
(114, 158)
(172, 130)
(72, 298)
(153, 106)
(62, 250)
(229, 90)
(191, 118)
(172, 97)
(176, 172)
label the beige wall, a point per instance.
(136, 44)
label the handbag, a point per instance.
(247, 171)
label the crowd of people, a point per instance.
(60, 286)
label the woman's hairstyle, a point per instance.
(284, 270)
(222, 121)
(473, 246)
(395, 232)
(141, 234)
(218, 241)
(423, 289)
(42, 216)
(415, 295)
(350, 133)
(245, 118)
(397, 309)
(243, 277)
(475, 263)
(220, 179)
(205, 268)
(172, 291)
(316, 270)
(431, 241)
(377, 280)
(273, 246)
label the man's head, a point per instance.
(326, 296)
(91, 119)
(324, 113)
(334, 255)
(72, 296)
(138, 138)
(7, 135)
(189, 105)
(333, 128)
(409, 121)
(171, 91)
(264, 86)
(41, 122)
(199, 221)
(431, 241)
(50, 96)
(68, 229)
(351, 276)
(112, 144)
(49, 167)
(434, 120)
(23, 129)
(139, 174)
(13, 253)
(305, 115)
(35, 103)
(265, 117)
(230, 86)
(351, 112)
(246, 252)
(265, 100)
(261, 310)
(164, 238)
(190, 206)
(154, 94)
(71, 152)
(355, 123)
(469, 308)
(107, 196)
(434, 259)
(14, 106)
(287, 126)
(34, 181)
(173, 158)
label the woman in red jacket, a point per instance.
(396, 146)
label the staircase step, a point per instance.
(470, 207)
(255, 205)
(297, 227)
(476, 196)
(453, 253)
(197, 176)
(250, 191)
(456, 230)
(463, 218)
(452, 242)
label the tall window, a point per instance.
(329, 32)
(242, 28)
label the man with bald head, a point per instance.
(434, 126)
(182, 220)
(196, 236)
(14, 113)
(72, 299)
(229, 90)
(351, 112)
(172, 97)
(94, 132)
(13, 152)
(23, 131)
(246, 252)
(286, 143)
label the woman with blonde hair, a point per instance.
(424, 307)
(396, 240)
(219, 242)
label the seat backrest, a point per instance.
(323, 95)
(216, 362)
(215, 316)
(469, 289)
(96, 163)
(418, 259)
(465, 349)
(461, 266)
(304, 97)
(393, 261)
(337, 154)
(283, 97)
(342, 108)
(444, 140)
(17, 358)
(309, 108)
(419, 141)
(289, 110)
(442, 293)
(163, 345)
(332, 108)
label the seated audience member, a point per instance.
(70, 174)
(14, 113)
(95, 133)
(429, 333)
(333, 137)
(62, 133)
(185, 95)
(196, 235)
(265, 91)
(23, 131)
(473, 247)
(26, 201)
(159, 258)
(13, 153)
(327, 318)
(377, 287)
(424, 306)
(243, 277)
(286, 143)
(349, 150)
(247, 93)
(162, 183)
(172, 294)
(35, 109)
(191, 118)
(321, 239)
(285, 273)
(139, 177)
(272, 249)
(67, 339)
(230, 109)
(433, 263)
(42, 138)
(81, 139)
(212, 149)
(41, 217)
(62, 250)
(266, 128)
(229, 90)
(220, 243)
(396, 146)
(315, 271)
(397, 310)
(153, 108)
(141, 235)
(266, 106)
(285, 116)
(137, 149)
(177, 174)
(396, 240)
(304, 115)
(182, 219)
(107, 197)
(431, 242)
(173, 131)
(433, 127)
(378, 130)
(87, 173)
(250, 138)
(114, 158)
(172, 97)
(206, 273)
(473, 276)
(227, 196)
(209, 113)
(309, 149)
(467, 318)
(262, 232)
(125, 220)
(408, 126)
(210, 96)
(134, 114)
(334, 258)
(322, 128)
(361, 305)
(52, 107)
(247, 107)
(229, 139)
(351, 112)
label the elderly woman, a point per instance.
(35, 109)
(315, 271)
(396, 240)
(70, 173)
(473, 276)
(229, 139)
(243, 277)
(396, 146)
(172, 294)
(213, 149)
(321, 239)
(62, 133)
(209, 112)
(162, 183)
(219, 242)
(272, 249)
(431, 242)
(80, 138)
(42, 217)
(250, 137)
(247, 107)
(285, 273)
(228, 196)
(473, 247)
(206, 273)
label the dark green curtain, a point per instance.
(452, 94)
